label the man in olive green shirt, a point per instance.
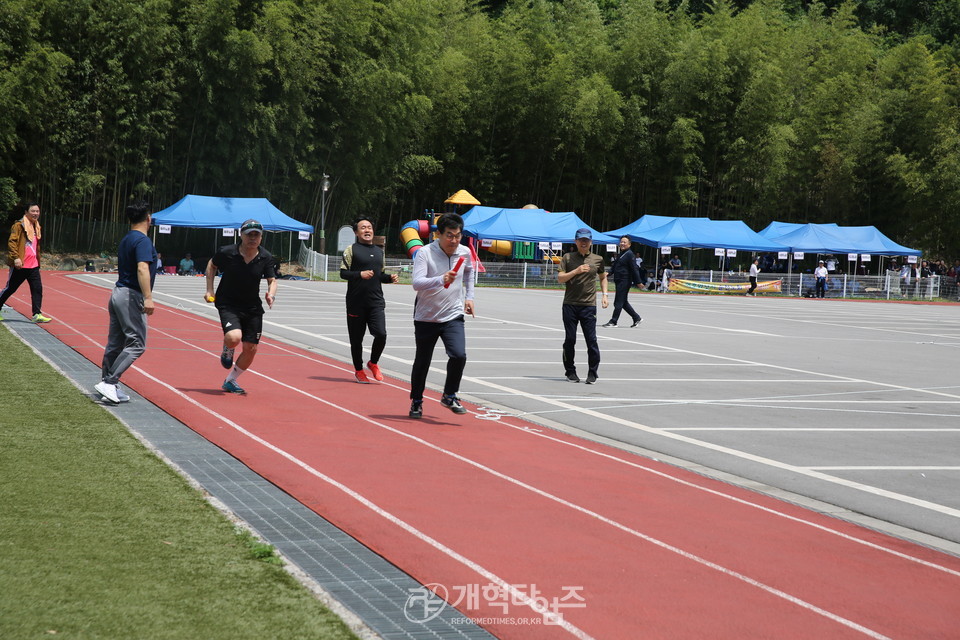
(579, 271)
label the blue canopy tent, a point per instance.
(476, 215)
(876, 242)
(642, 224)
(695, 233)
(832, 238)
(810, 238)
(528, 225)
(210, 212)
(704, 233)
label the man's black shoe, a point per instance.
(609, 324)
(416, 409)
(636, 322)
(591, 379)
(452, 403)
(572, 377)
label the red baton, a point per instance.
(455, 270)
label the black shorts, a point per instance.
(250, 324)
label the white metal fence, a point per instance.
(889, 286)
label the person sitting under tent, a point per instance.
(186, 267)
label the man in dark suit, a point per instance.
(625, 274)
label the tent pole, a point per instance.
(790, 270)
(656, 267)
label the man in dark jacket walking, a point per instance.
(625, 274)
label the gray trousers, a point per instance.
(128, 333)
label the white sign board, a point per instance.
(303, 235)
(543, 246)
(665, 250)
(165, 228)
(852, 257)
(719, 252)
(611, 248)
(731, 253)
(798, 255)
(345, 237)
(486, 244)
(911, 259)
(556, 246)
(783, 255)
(865, 257)
(228, 233)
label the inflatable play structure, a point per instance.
(415, 233)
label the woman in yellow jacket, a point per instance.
(23, 257)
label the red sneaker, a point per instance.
(362, 377)
(375, 370)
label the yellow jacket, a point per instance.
(17, 245)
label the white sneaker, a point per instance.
(121, 395)
(108, 391)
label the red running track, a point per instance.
(521, 523)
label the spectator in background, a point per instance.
(666, 276)
(675, 261)
(820, 273)
(159, 263)
(23, 257)
(754, 274)
(186, 266)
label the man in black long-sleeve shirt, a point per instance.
(362, 268)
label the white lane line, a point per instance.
(704, 326)
(887, 468)
(611, 379)
(828, 429)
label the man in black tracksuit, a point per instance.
(362, 268)
(626, 274)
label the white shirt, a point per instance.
(434, 303)
(754, 270)
(820, 272)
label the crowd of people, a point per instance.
(443, 278)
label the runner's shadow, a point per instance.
(430, 420)
(330, 379)
(208, 392)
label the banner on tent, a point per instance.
(769, 286)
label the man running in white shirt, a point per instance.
(444, 295)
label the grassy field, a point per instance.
(100, 539)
